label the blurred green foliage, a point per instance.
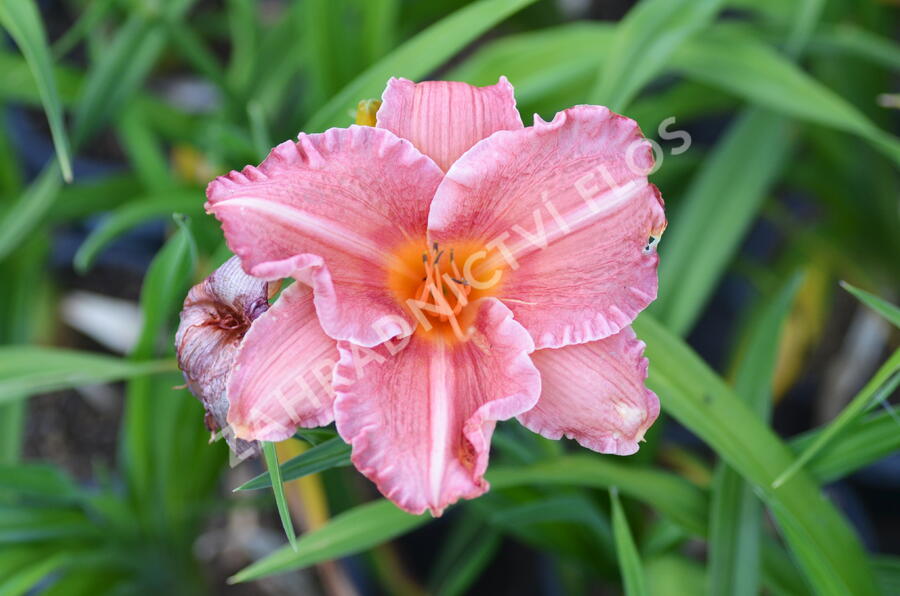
(796, 84)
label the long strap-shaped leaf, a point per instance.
(879, 305)
(735, 528)
(826, 548)
(876, 390)
(643, 43)
(629, 560)
(23, 22)
(417, 57)
(278, 488)
(26, 370)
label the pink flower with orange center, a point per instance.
(454, 268)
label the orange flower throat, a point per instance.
(438, 285)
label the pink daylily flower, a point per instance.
(455, 268)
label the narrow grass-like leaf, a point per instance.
(735, 514)
(669, 494)
(333, 453)
(469, 565)
(379, 27)
(865, 442)
(164, 286)
(162, 293)
(849, 38)
(243, 23)
(128, 216)
(315, 436)
(827, 550)
(37, 480)
(879, 305)
(417, 57)
(120, 71)
(879, 387)
(350, 532)
(719, 207)
(626, 551)
(25, 370)
(191, 46)
(740, 64)
(278, 488)
(259, 132)
(23, 22)
(144, 151)
(25, 580)
(87, 20)
(19, 524)
(29, 209)
(888, 571)
(642, 44)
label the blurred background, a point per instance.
(775, 125)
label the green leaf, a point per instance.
(463, 553)
(417, 57)
(669, 494)
(114, 79)
(165, 286)
(735, 514)
(350, 532)
(865, 442)
(643, 43)
(538, 63)
(379, 28)
(333, 453)
(23, 22)
(629, 560)
(26, 370)
(879, 305)
(888, 571)
(145, 438)
(29, 209)
(721, 203)
(879, 387)
(468, 564)
(825, 547)
(849, 38)
(740, 64)
(277, 485)
(133, 213)
(143, 149)
(24, 581)
(37, 480)
(88, 19)
(20, 524)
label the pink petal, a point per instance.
(443, 119)
(594, 393)
(570, 203)
(330, 209)
(420, 421)
(217, 314)
(283, 370)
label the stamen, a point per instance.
(436, 285)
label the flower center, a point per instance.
(437, 285)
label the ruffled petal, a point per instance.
(566, 208)
(338, 203)
(595, 393)
(217, 314)
(420, 420)
(282, 373)
(444, 119)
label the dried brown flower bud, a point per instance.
(217, 314)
